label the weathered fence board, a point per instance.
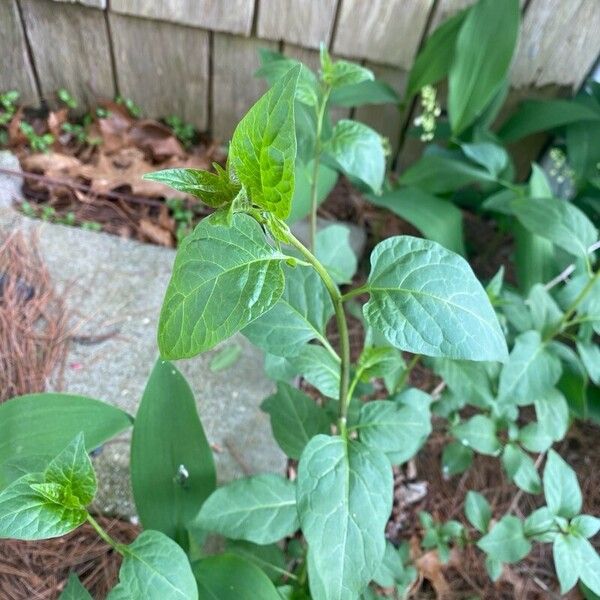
(386, 119)
(95, 3)
(16, 72)
(304, 22)
(172, 77)
(559, 43)
(235, 89)
(234, 16)
(70, 49)
(384, 31)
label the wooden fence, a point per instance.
(196, 58)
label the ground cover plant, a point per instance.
(518, 366)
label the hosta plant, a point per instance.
(242, 270)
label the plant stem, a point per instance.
(104, 535)
(404, 377)
(342, 325)
(314, 187)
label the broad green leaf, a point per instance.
(396, 427)
(335, 253)
(534, 258)
(470, 380)
(295, 419)
(456, 458)
(344, 492)
(172, 467)
(589, 566)
(214, 189)
(478, 511)
(451, 174)
(530, 373)
(583, 144)
(359, 152)
(320, 368)
(262, 152)
(535, 438)
(279, 368)
(521, 469)
(585, 525)
(434, 60)
(561, 488)
(301, 202)
(229, 577)
(481, 59)
(50, 504)
(259, 509)
(154, 568)
(491, 156)
(343, 72)
(41, 425)
(545, 313)
(540, 525)
(558, 221)
(74, 590)
(269, 558)
(567, 561)
(552, 412)
(298, 317)
(542, 115)
(436, 218)
(382, 361)
(479, 432)
(223, 279)
(493, 567)
(590, 356)
(426, 300)
(365, 92)
(506, 542)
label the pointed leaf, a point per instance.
(259, 509)
(154, 568)
(478, 511)
(343, 72)
(561, 488)
(295, 419)
(479, 432)
(567, 561)
(172, 467)
(352, 487)
(223, 279)
(74, 590)
(426, 300)
(506, 541)
(456, 458)
(320, 368)
(262, 152)
(520, 467)
(334, 251)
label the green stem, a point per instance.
(342, 325)
(104, 535)
(404, 377)
(314, 187)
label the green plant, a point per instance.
(66, 98)
(185, 132)
(8, 102)
(183, 217)
(133, 109)
(38, 143)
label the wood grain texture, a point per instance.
(386, 119)
(384, 31)
(303, 22)
(70, 49)
(94, 3)
(172, 77)
(560, 41)
(16, 72)
(235, 89)
(234, 16)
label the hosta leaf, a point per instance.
(520, 467)
(41, 425)
(259, 509)
(397, 427)
(229, 577)
(359, 152)
(334, 251)
(154, 568)
(557, 220)
(262, 152)
(479, 432)
(478, 511)
(344, 492)
(426, 300)
(561, 488)
(506, 541)
(295, 419)
(74, 590)
(481, 59)
(436, 218)
(530, 373)
(172, 467)
(223, 279)
(213, 189)
(299, 316)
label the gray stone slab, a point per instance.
(115, 284)
(10, 185)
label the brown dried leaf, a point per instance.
(15, 135)
(114, 129)
(430, 568)
(156, 234)
(157, 139)
(56, 119)
(52, 164)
